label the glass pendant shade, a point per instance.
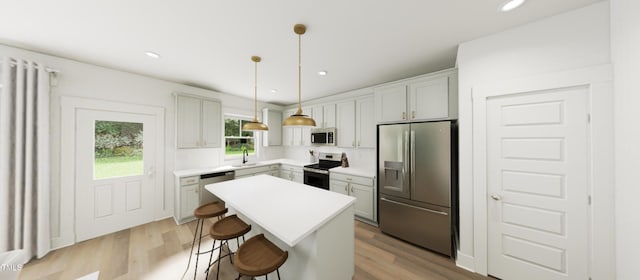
(255, 124)
(298, 119)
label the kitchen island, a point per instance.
(315, 226)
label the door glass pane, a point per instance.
(117, 149)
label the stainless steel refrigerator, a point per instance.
(417, 171)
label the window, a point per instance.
(235, 139)
(117, 149)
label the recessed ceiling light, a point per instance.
(322, 73)
(510, 5)
(274, 90)
(152, 54)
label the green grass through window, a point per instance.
(108, 167)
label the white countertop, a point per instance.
(224, 168)
(290, 211)
(354, 171)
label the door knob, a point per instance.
(496, 197)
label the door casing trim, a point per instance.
(68, 107)
(599, 81)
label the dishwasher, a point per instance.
(212, 178)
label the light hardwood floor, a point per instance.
(159, 250)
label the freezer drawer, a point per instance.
(429, 228)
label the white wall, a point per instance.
(89, 81)
(625, 54)
(567, 41)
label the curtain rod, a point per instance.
(47, 69)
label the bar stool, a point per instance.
(227, 228)
(205, 211)
(258, 256)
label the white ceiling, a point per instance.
(208, 43)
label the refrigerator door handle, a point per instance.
(405, 182)
(413, 157)
(415, 207)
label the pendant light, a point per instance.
(298, 119)
(255, 124)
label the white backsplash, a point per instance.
(360, 158)
(214, 157)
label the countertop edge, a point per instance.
(225, 168)
(354, 171)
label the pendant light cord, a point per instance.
(255, 94)
(299, 74)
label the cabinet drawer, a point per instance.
(253, 170)
(352, 179)
(189, 180)
(274, 167)
(291, 168)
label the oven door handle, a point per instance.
(325, 172)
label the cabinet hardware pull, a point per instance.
(413, 115)
(403, 116)
(345, 189)
(351, 189)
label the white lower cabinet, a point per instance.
(292, 173)
(252, 171)
(362, 188)
(188, 198)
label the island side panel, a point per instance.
(302, 263)
(335, 247)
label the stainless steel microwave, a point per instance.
(323, 136)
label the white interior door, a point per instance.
(537, 177)
(114, 185)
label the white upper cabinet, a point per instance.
(287, 132)
(273, 119)
(188, 126)
(365, 124)
(329, 115)
(346, 124)
(317, 114)
(391, 103)
(211, 123)
(324, 115)
(428, 97)
(305, 132)
(296, 136)
(198, 122)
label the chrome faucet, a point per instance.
(245, 156)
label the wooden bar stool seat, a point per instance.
(210, 210)
(230, 227)
(205, 211)
(258, 256)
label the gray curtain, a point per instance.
(24, 157)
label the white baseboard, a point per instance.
(465, 261)
(60, 242)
